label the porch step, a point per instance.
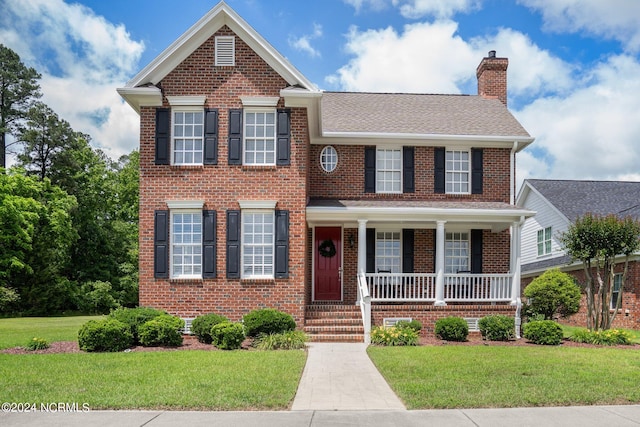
(334, 323)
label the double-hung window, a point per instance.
(260, 136)
(544, 241)
(186, 244)
(458, 172)
(617, 285)
(188, 136)
(388, 256)
(457, 252)
(258, 244)
(388, 170)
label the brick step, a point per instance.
(331, 321)
(332, 307)
(334, 329)
(337, 338)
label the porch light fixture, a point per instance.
(352, 240)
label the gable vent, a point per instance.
(225, 51)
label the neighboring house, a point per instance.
(259, 190)
(558, 203)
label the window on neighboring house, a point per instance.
(260, 137)
(257, 244)
(617, 285)
(188, 136)
(457, 172)
(388, 170)
(388, 256)
(186, 244)
(544, 241)
(456, 249)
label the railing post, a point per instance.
(440, 237)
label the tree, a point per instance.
(18, 89)
(599, 242)
(551, 294)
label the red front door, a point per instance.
(327, 251)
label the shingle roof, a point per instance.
(417, 114)
(576, 198)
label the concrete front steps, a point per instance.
(334, 323)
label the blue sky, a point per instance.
(574, 65)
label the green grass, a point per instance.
(15, 332)
(569, 330)
(217, 380)
(503, 376)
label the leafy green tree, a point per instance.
(553, 293)
(18, 89)
(600, 243)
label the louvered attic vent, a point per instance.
(225, 51)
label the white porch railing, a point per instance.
(462, 287)
(364, 299)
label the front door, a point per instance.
(327, 251)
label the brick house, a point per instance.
(558, 203)
(342, 209)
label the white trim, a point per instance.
(522, 141)
(185, 204)
(186, 101)
(138, 97)
(181, 110)
(184, 211)
(257, 204)
(260, 101)
(243, 224)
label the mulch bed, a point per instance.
(476, 339)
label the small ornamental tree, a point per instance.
(553, 293)
(601, 243)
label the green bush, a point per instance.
(291, 340)
(608, 337)
(546, 332)
(104, 335)
(452, 329)
(267, 321)
(394, 336)
(96, 298)
(415, 325)
(553, 293)
(37, 344)
(162, 331)
(497, 328)
(201, 326)
(135, 317)
(227, 335)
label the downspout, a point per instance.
(512, 173)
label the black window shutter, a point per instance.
(161, 245)
(208, 244)
(369, 169)
(371, 250)
(439, 170)
(235, 137)
(283, 141)
(163, 136)
(210, 136)
(408, 170)
(233, 244)
(476, 171)
(407, 250)
(282, 245)
(476, 251)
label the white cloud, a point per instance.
(304, 43)
(437, 8)
(612, 19)
(82, 59)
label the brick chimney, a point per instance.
(492, 77)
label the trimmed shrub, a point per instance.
(136, 317)
(394, 336)
(414, 325)
(545, 332)
(227, 335)
(497, 328)
(291, 340)
(201, 326)
(104, 335)
(162, 331)
(452, 329)
(37, 344)
(267, 321)
(553, 293)
(608, 337)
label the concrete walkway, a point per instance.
(340, 376)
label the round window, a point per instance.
(329, 159)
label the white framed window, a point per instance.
(225, 51)
(457, 172)
(456, 252)
(260, 136)
(388, 170)
(188, 136)
(328, 159)
(388, 252)
(258, 244)
(617, 285)
(186, 244)
(544, 241)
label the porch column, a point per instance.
(440, 263)
(362, 248)
(516, 229)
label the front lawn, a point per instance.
(15, 332)
(509, 376)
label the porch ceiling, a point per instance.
(496, 216)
